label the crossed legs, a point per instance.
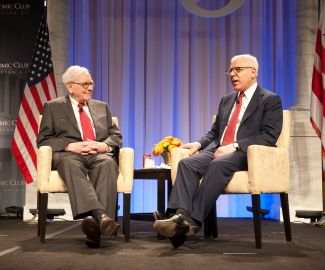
(191, 198)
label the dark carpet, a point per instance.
(233, 249)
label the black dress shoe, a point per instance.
(177, 241)
(157, 215)
(108, 226)
(91, 230)
(194, 227)
(174, 226)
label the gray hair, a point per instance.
(250, 59)
(72, 73)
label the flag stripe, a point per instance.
(27, 111)
(53, 84)
(27, 142)
(21, 163)
(316, 111)
(23, 153)
(46, 90)
(36, 97)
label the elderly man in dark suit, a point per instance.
(85, 144)
(249, 115)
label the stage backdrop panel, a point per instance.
(19, 20)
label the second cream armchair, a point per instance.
(268, 172)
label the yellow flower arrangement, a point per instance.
(166, 145)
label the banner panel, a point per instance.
(19, 21)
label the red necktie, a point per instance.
(229, 136)
(87, 130)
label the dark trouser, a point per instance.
(91, 181)
(196, 197)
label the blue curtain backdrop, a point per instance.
(161, 70)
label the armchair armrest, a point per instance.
(177, 154)
(44, 163)
(126, 167)
(268, 169)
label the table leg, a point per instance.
(161, 195)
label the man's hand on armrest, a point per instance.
(194, 147)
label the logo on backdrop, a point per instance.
(7, 127)
(192, 7)
(9, 8)
(13, 67)
(11, 184)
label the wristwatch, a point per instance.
(236, 146)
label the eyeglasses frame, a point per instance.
(84, 83)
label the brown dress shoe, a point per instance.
(91, 230)
(171, 227)
(107, 226)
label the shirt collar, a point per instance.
(75, 102)
(250, 91)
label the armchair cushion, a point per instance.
(267, 170)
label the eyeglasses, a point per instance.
(85, 84)
(236, 70)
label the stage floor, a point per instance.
(233, 249)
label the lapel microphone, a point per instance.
(80, 106)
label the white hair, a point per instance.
(250, 59)
(72, 73)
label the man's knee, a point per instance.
(67, 161)
(105, 161)
(185, 163)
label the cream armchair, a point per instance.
(268, 172)
(49, 181)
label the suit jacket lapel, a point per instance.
(253, 104)
(70, 113)
(94, 115)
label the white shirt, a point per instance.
(77, 114)
(248, 94)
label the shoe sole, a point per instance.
(177, 241)
(92, 243)
(170, 229)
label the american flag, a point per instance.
(40, 87)
(317, 105)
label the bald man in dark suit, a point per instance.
(85, 144)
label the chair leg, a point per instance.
(286, 215)
(210, 224)
(38, 210)
(42, 215)
(126, 216)
(116, 208)
(257, 220)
